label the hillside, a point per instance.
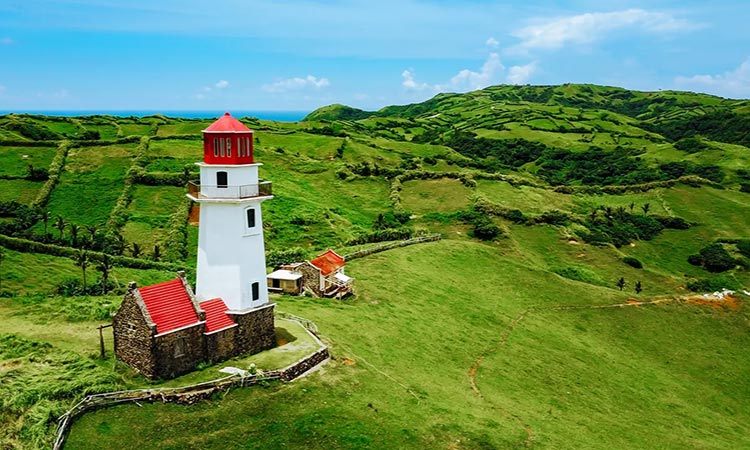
(561, 309)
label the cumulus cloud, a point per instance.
(491, 72)
(297, 83)
(221, 84)
(468, 79)
(589, 27)
(492, 42)
(7, 41)
(734, 83)
(410, 83)
(521, 74)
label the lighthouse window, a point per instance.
(241, 144)
(221, 179)
(250, 218)
(229, 147)
(256, 290)
(221, 147)
(216, 147)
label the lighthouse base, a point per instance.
(255, 329)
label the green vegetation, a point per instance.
(558, 207)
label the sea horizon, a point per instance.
(278, 116)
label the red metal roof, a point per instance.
(216, 315)
(227, 123)
(328, 262)
(169, 305)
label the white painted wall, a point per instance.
(231, 256)
(237, 175)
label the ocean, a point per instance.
(279, 116)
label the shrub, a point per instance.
(485, 229)
(632, 262)
(674, 223)
(716, 258)
(276, 258)
(743, 246)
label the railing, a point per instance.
(198, 190)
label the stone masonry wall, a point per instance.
(133, 333)
(178, 352)
(310, 277)
(221, 345)
(255, 329)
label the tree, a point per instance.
(82, 260)
(44, 215)
(74, 229)
(638, 287)
(646, 208)
(105, 266)
(135, 250)
(621, 283)
(60, 225)
(2, 256)
(92, 229)
(631, 206)
(157, 253)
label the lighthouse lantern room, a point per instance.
(231, 252)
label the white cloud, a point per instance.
(589, 27)
(410, 83)
(492, 42)
(735, 83)
(468, 79)
(491, 72)
(7, 41)
(296, 83)
(221, 84)
(521, 74)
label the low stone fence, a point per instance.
(387, 246)
(188, 395)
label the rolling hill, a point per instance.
(512, 331)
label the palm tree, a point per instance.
(632, 205)
(105, 266)
(157, 252)
(135, 250)
(646, 207)
(92, 229)
(45, 219)
(621, 283)
(60, 225)
(638, 287)
(82, 260)
(74, 229)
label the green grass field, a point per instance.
(522, 341)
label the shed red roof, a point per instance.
(328, 262)
(169, 305)
(227, 123)
(216, 315)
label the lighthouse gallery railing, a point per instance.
(261, 189)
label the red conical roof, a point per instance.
(227, 123)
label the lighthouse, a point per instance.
(231, 253)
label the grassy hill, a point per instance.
(510, 332)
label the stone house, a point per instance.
(323, 276)
(163, 332)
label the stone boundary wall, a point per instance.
(189, 395)
(391, 245)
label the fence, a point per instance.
(188, 395)
(383, 247)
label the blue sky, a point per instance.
(302, 54)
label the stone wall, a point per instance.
(221, 345)
(310, 277)
(179, 351)
(255, 329)
(133, 331)
(302, 366)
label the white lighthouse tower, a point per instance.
(231, 253)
